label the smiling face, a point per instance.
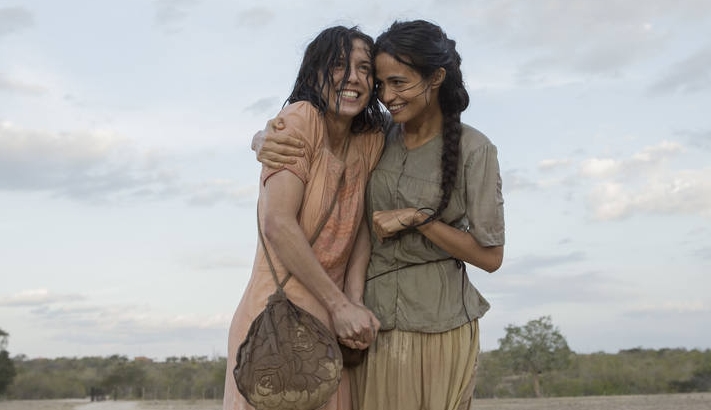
(404, 92)
(351, 83)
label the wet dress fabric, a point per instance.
(320, 171)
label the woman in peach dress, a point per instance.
(333, 111)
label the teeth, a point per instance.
(395, 107)
(349, 94)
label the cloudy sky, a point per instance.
(128, 189)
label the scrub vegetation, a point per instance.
(532, 361)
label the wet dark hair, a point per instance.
(425, 48)
(315, 75)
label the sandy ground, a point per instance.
(68, 404)
(76, 404)
(697, 401)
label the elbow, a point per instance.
(493, 266)
(490, 264)
(495, 259)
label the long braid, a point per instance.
(452, 131)
(453, 99)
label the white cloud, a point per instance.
(658, 153)
(78, 319)
(101, 166)
(95, 165)
(550, 164)
(648, 158)
(37, 297)
(671, 307)
(599, 167)
(681, 192)
(646, 183)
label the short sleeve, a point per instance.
(485, 202)
(302, 121)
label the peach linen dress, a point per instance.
(320, 171)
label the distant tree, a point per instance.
(700, 380)
(125, 376)
(535, 348)
(3, 339)
(7, 366)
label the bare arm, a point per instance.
(274, 146)
(282, 198)
(355, 274)
(457, 243)
(358, 264)
(463, 246)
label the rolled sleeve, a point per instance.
(485, 201)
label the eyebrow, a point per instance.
(394, 77)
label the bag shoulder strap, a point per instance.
(319, 228)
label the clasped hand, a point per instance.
(356, 326)
(388, 223)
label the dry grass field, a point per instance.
(697, 401)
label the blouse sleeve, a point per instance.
(485, 202)
(302, 121)
(374, 149)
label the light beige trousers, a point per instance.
(418, 371)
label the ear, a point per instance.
(438, 77)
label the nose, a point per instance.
(353, 75)
(385, 93)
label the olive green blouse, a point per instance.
(411, 283)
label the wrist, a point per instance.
(424, 216)
(338, 304)
(419, 217)
(354, 296)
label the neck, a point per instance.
(422, 129)
(338, 134)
